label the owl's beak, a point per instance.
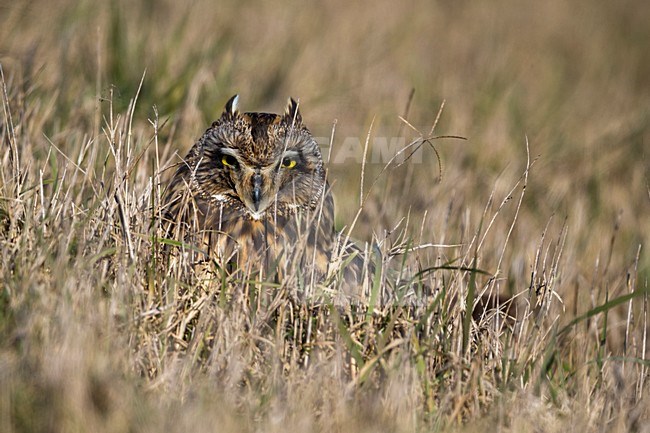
(257, 191)
(257, 196)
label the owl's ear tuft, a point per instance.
(291, 113)
(231, 106)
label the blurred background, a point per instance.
(572, 78)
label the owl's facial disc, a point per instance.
(257, 184)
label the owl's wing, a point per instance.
(351, 271)
(362, 276)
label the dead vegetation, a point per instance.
(546, 205)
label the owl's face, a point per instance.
(256, 162)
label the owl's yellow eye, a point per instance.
(288, 163)
(229, 161)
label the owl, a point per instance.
(253, 193)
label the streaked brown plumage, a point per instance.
(253, 192)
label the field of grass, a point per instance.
(547, 199)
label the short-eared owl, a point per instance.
(252, 191)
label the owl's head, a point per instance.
(260, 161)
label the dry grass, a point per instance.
(548, 201)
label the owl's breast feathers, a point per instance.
(299, 235)
(277, 239)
